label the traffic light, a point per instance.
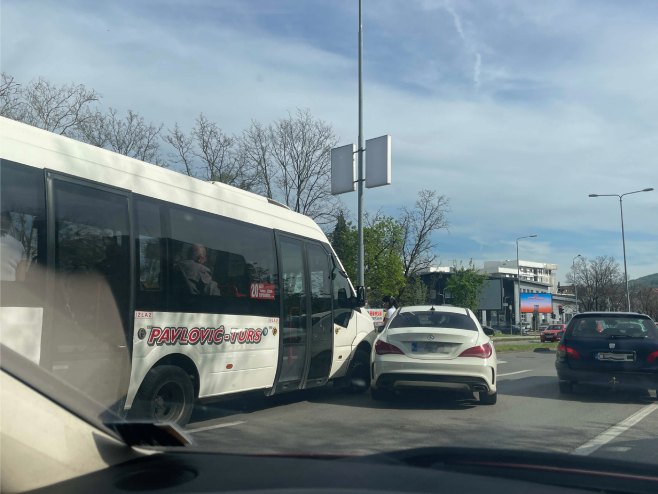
(560, 309)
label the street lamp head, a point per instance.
(649, 189)
(532, 236)
(594, 195)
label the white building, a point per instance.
(535, 277)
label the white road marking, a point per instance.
(502, 361)
(605, 437)
(618, 449)
(512, 373)
(217, 426)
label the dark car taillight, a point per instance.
(480, 351)
(652, 357)
(568, 351)
(383, 348)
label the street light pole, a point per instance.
(575, 282)
(623, 240)
(361, 163)
(518, 280)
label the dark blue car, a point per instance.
(614, 349)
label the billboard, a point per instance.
(491, 295)
(543, 302)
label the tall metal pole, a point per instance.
(623, 240)
(361, 178)
(575, 282)
(518, 298)
(518, 278)
(623, 244)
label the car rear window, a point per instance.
(555, 326)
(433, 319)
(611, 327)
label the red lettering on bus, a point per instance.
(165, 337)
(193, 336)
(206, 335)
(218, 336)
(258, 335)
(155, 333)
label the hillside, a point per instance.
(650, 280)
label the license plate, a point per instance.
(421, 347)
(616, 357)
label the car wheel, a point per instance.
(358, 374)
(166, 395)
(381, 394)
(566, 387)
(487, 399)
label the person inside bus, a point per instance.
(13, 253)
(197, 275)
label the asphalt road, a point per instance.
(530, 414)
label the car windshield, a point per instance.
(432, 319)
(612, 327)
(231, 215)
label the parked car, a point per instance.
(617, 349)
(434, 347)
(507, 329)
(490, 331)
(553, 332)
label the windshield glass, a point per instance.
(214, 211)
(612, 327)
(432, 319)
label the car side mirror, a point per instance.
(488, 331)
(360, 296)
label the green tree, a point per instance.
(344, 239)
(384, 272)
(384, 269)
(415, 293)
(464, 286)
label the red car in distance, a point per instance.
(553, 333)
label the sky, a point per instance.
(515, 110)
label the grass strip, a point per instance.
(524, 347)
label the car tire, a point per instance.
(486, 398)
(166, 395)
(381, 394)
(358, 373)
(566, 387)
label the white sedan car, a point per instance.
(434, 347)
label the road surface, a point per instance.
(530, 414)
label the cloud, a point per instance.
(564, 106)
(468, 44)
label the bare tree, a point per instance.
(644, 299)
(59, 109)
(428, 215)
(300, 173)
(255, 149)
(183, 145)
(11, 104)
(209, 154)
(600, 284)
(130, 136)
